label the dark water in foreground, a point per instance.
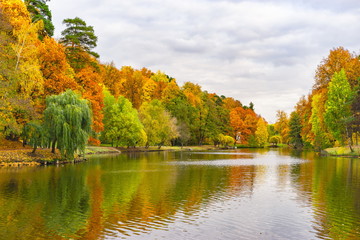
(239, 194)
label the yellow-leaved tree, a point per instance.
(261, 133)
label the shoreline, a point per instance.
(43, 157)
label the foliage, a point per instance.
(40, 11)
(160, 127)
(90, 81)
(321, 140)
(275, 140)
(32, 69)
(33, 132)
(243, 123)
(281, 126)
(122, 123)
(338, 59)
(303, 108)
(79, 40)
(295, 130)
(21, 81)
(67, 121)
(225, 140)
(338, 113)
(261, 133)
(131, 85)
(57, 73)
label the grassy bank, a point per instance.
(18, 156)
(343, 151)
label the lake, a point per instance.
(234, 194)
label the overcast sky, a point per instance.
(260, 51)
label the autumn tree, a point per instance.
(321, 138)
(111, 78)
(131, 85)
(338, 115)
(58, 75)
(40, 11)
(243, 123)
(161, 80)
(171, 91)
(193, 95)
(303, 108)
(90, 82)
(281, 125)
(261, 133)
(339, 58)
(67, 123)
(21, 79)
(230, 103)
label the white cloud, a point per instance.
(260, 51)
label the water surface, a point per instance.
(241, 194)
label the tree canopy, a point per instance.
(338, 113)
(40, 11)
(67, 123)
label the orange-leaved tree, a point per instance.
(243, 123)
(92, 90)
(58, 75)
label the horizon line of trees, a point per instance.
(128, 107)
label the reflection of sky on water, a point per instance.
(239, 162)
(237, 159)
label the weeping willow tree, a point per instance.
(67, 122)
(33, 133)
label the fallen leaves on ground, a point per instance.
(26, 157)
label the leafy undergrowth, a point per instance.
(26, 157)
(7, 144)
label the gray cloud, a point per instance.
(260, 51)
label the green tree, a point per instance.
(275, 140)
(78, 38)
(67, 123)
(160, 127)
(184, 112)
(225, 140)
(122, 125)
(40, 11)
(295, 130)
(338, 113)
(33, 134)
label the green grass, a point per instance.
(98, 150)
(343, 151)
